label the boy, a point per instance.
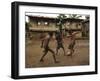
(45, 45)
(59, 42)
(72, 42)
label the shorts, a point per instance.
(60, 45)
(71, 46)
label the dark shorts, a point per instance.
(71, 46)
(59, 45)
(46, 49)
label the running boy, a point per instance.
(59, 42)
(45, 45)
(72, 42)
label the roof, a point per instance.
(53, 19)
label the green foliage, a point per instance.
(61, 18)
(27, 25)
(74, 16)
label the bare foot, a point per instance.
(41, 60)
(56, 61)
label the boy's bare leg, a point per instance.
(64, 50)
(41, 60)
(53, 54)
(56, 51)
(42, 43)
(70, 52)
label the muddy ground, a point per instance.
(34, 52)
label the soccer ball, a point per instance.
(68, 53)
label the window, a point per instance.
(39, 23)
(46, 23)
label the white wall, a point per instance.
(5, 40)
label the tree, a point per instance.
(74, 16)
(87, 17)
(61, 18)
(27, 25)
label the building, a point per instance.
(85, 28)
(45, 24)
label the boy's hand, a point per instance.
(76, 32)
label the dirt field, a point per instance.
(34, 53)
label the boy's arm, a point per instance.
(42, 41)
(76, 33)
(69, 36)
